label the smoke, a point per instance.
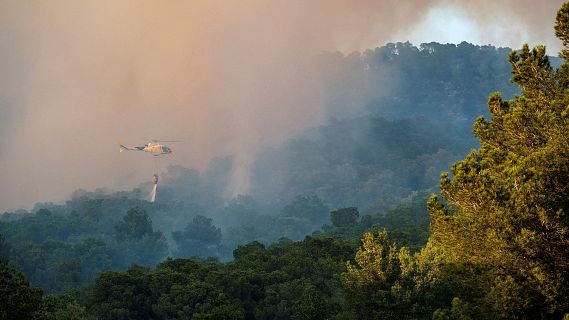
(501, 23)
(226, 77)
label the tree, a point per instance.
(387, 282)
(504, 218)
(199, 238)
(4, 249)
(135, 225)
(308, 207)
(345, 217)
(311, 305)
(19, 300)
(122, 295)
(250, 248)
(240, 210)
(137, 241)
(64, 307)
(376, 284)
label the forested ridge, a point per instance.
(344, 221)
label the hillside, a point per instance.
(335, 226)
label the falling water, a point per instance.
(153, 193)
(154, 187)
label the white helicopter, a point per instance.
(154, 147)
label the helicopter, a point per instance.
(154, 147)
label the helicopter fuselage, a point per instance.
(157, 149)
(153, 148)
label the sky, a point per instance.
(225, 77)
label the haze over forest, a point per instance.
(336, 160)
(227, 79)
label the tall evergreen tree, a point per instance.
(504, 221)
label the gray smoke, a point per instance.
(226, 77)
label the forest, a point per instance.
(354, 219)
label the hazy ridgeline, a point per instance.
(387, 153)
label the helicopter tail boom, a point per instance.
(123, 147)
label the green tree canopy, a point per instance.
(308, 207)
(387, 282)
(4, 249)
(198, 237)
(345, 217)
(504, 218)
(138, 243)
(135, 225)
(18, 300)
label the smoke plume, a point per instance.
(226, 77)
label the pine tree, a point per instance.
(504, 220)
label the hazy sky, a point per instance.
(226, 77)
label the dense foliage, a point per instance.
(264, 283)
(505, 216)
(18, 299)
